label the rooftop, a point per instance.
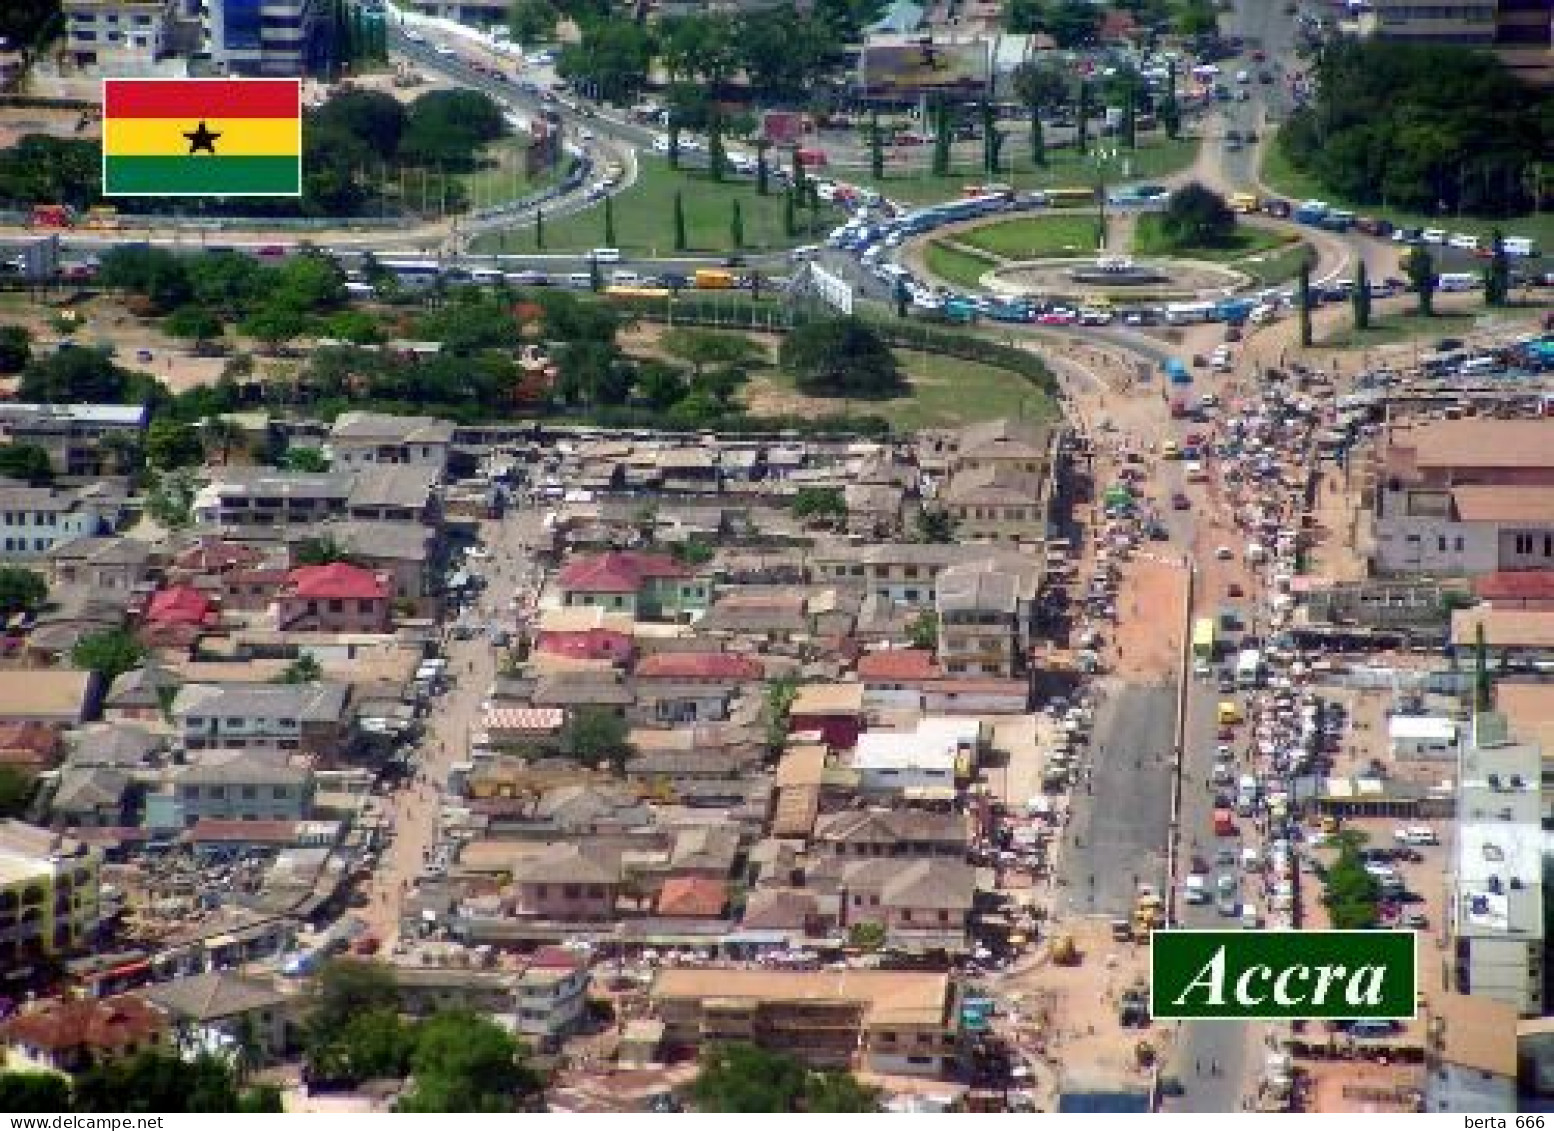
(306, 702)
(887, 996)
(1517, 585)
(213, 996)
(693, 896)
(44, 693)
(699, 665)
(618, 572)
(898, 664)
(383, 428)
(1475, 1032)
(336, 581)
(828, 699)
(1529, 504)
(106, 1024)
(1503, 627)
(1478, 442)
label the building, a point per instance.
(262, 716)
(997, 504)
(923, 763)
(408, 554)
(834, 710)
(119, 37)
(1003, 445)
(58, 696)
(921, 904)
(987, 618)
(243, 785)
(586, 632)
(910, 833)
(49, 893)
(338, 597)
(283, 38)
(71, 1035)
(1471, 1052)
(250, 498)
(1520, 32)
(568, 882)
(101, 563)
(226, 1010)
(1468, 496)
(1495, 884)
(88, 440)
(551, 995)
(476, 13)
(888, 1021)
(647, 586)
(33, 520)
(370, 439)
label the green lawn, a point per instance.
(955, 264)
(1400, 327)
(1035, 237)
(1149, 239)
(1279, 175)
(1274, 267)
(946, 392)
(644, 218)
(504, 177)
(1156, 157)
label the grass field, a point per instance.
(956, 265)
(1279, 175)
(945, 392)
(644, 218)
(1035, 237)
(1275, 267)
(1155, 157)
(505, 178)
(1399, 327)
(1149, 239)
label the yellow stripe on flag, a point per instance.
(164, 137)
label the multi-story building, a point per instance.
(987, 617)
(49, 893)
(259, 497)
(648, 586)
(1464, 497)
(1470, 1050)
(85, 440)
(370, 439)
(551, 995)
(100, 563)
(33, 520)
(998, 504)
(476, 13)
(117, 36)
(338, 597)
(902, 1022)
(1496, 880)
(1521, 32)
(243, 785)
(284, 38)
(262, 716)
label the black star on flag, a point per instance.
(202, 139)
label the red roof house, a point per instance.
(644, 585)
(338, 597)
(692, 897)
(180, 604)
(65, 1036)
(898, 665)
(1527, 589)
(699, 667)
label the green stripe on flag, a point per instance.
(201, 175)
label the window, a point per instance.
(281, 792)
(1459, 543)
(337, 606)
(1524, 543)
(1441, 543)
(250, 792)
(571, 891)
(542, 890)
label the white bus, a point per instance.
(1188, 313)
(1520, 246)
(1452, 281)
(417, 274)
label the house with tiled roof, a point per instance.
(586, 633)
(922, 904)
(30, 746)
(179, 605)
(68, 1036)
(568, 882)
(699, 667)
(647, 586)
(221, 1007)
(692, 897)
(338, 597)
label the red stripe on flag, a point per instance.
(202, 98)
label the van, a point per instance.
(1463, 242)
(1371, 1027)
(580, 281)
(1228, 714)
(1419, 836)
(1520, 246)
(624, 279)
(805, 253)
(1456, 281)
(605, 255)
(1250, 919)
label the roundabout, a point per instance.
(1116, 277)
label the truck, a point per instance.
(1178, 373)
(1233, 311)
(1224, 823)
(1196, 890)
(1249, 668)
(51, 216)
(1203, 638)
(705, 280)
(1311, 212)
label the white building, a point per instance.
(364, 439)
(117, 36)
(1496, 880)
(33, 520)
(1422, 736)
(926, 761)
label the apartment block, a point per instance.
(117, 36)
(282, 38)
(49, 893)
(1521, 32)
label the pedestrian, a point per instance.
(1213, 1068)
(1198, 1068)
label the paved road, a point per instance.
(1122, 817)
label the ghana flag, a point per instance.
(202, 137)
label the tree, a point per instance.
(693, 552)
(16, 789)
(1483, 682)
(1038, 87)
(1170, 109)
(171, 444)
(717, 154)
(736, 225)
(345, 988)
(841, 357)
(745, 1078)
(467, 1063)
(76, 376)
(21, 591)
(318, 551)
(1303, 302)
(15, 353)
(596, 736)
(304, 669)
(1497, 275)
(1082, 120)
(1419, 267)
(943, 138)
(701, 348)
(275, 324)
(110, 653)
(990, 137)
(539, 229)
(26, 462)
(448, 128)
(192, 322)
(1352, 894)
(824, 503)
(298, 458)
(775, 711)
(876, 147)
(679, 222)
(158, 1081)
(613, 54)
(1361, 299)
(934, 524)
(34, 1092)
(609, 221)
(154, 273)
(867, 935)
(924, 630)
(532, 21)
(1195, 216)
(660, 385)
(790, 223)
(762, 169)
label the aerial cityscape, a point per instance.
(924, 556)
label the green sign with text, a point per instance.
(1283, 975)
